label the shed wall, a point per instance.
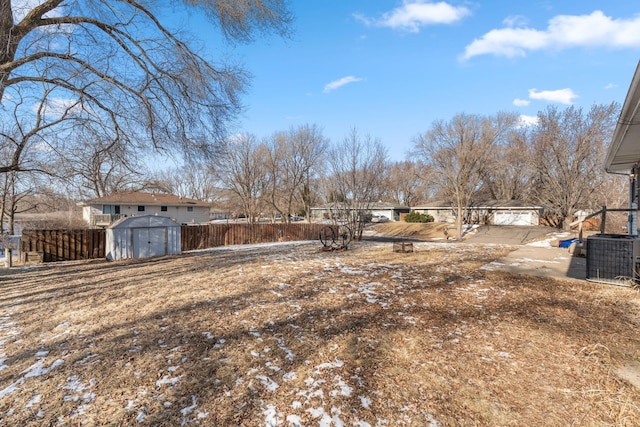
(128, 239)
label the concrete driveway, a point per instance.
(534, 254)
(510, 234)
(542, 261)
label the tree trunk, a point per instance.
(9, 41)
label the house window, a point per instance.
(140, 208)
(189, 208)
(163, 208)
(111, 209)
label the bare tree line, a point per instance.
(556, 164)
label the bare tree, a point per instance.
(295, 157)
(407, 182)
(357, 174)
(113, 66)
(97, 167)
(507, 174)
(568, 148)
(193, 180)
(243, 171)
(457, 152)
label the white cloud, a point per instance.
(340, 82)
(60, 106)
(610, 86)
(561, 96)
(515, 21)
(563, 32)
(521, 102)
(528, 120)
(414, 14)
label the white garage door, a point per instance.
(513, 218)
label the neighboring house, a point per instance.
(496, 212)
(340, 211)
(218, 214)
(440, 211)
(101, 212)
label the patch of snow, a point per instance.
(344, 390)
(325, 419)
(294, 420)
(365, 402)
(288, 353)
(78, 390)
(336, 412)
(10, 388)
(271, 416)
(543, 261)
(167, 380)
(33, 401)
(290, 376)
(268, 383)
(38, 369)
(86, 358)
(188, 410)
(328, 365)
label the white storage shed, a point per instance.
(142, 237)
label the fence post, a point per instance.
(603, 220)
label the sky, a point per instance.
(389, 69)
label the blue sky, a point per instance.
(391, 68)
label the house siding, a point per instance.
(180, 214)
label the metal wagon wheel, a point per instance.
(343, 237)
(327, 236)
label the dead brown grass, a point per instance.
(292, 335)
(423, 231)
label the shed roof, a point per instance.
(143, 198)
(145, 221)
(624, 150)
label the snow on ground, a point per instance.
(329, 380)
(546, 243)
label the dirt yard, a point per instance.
(290, 335)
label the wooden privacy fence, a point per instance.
(62, 245)
(213, 235)
(70, 245)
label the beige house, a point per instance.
(103, 211)
(341, 211)
(496, 212)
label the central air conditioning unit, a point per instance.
(613, 258)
